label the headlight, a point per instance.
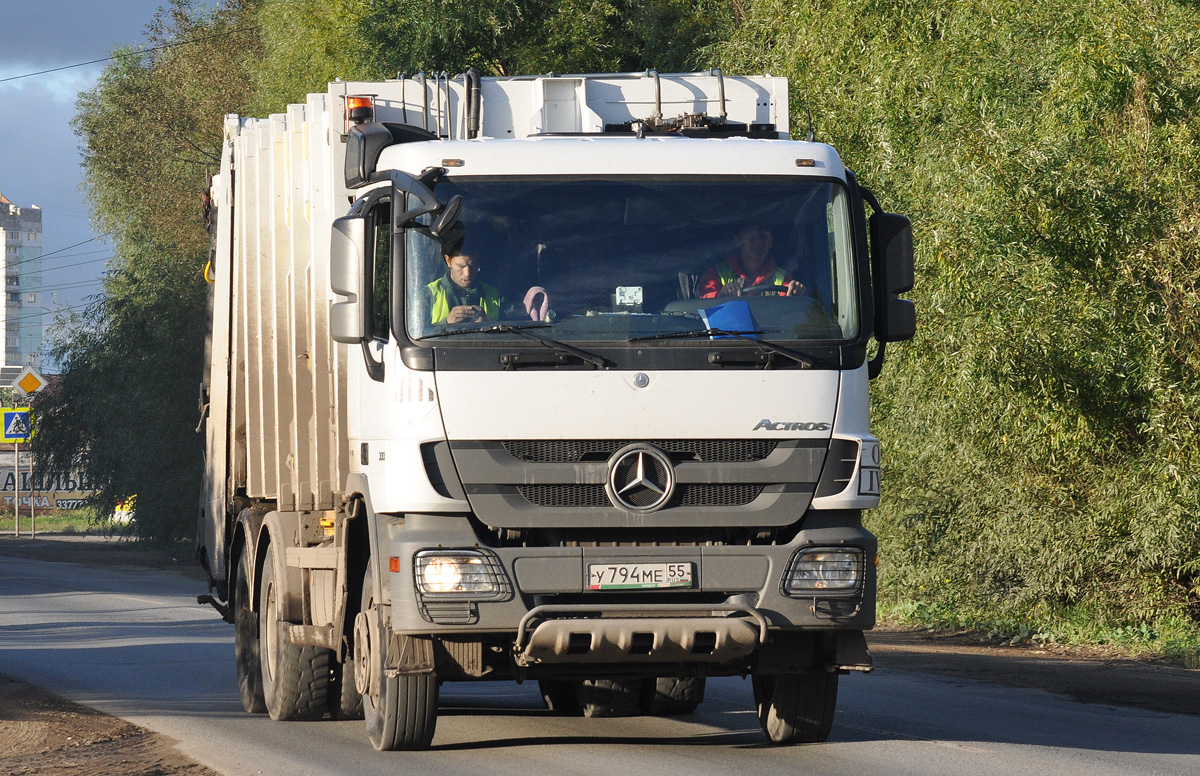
(823, 570)
(449, 572)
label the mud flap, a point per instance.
(409, 655)
(851, 653)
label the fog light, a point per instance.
(823, 570)
(442, 572)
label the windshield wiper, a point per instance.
(523, 331)
(796, 356)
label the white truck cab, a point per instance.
(598, 411)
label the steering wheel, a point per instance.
(761, 287)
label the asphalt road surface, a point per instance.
(132, 642)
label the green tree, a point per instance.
(1041, 431)
(511, 37)
(125, 409)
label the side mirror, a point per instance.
(448, 217)
(348, 320)
(892, 267)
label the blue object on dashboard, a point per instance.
(731, 316)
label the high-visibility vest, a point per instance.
(489, 300)
(726, 274)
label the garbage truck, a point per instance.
(559, 379)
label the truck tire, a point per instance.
(561, 696)
(612, 697)
(345, 702)
(674, 696)
(796, 708)
(245, 641)
(295, 679)
(400, 711)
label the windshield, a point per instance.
(612, 260)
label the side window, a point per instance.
(381, 268)
(423, 257)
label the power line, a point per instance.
(65, 286)
(48, 311)
(55, 69)
(143, 51)
(69, 247)
(40, 256)
(63, 256)
(78, 263)
(77, 255)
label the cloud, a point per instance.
(62, 87)
(39, 165)
(39, 155)
(53, 33)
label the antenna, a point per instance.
(808, 106)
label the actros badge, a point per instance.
(766, 424)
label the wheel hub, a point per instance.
(364, 645)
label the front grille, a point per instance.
(566, 496)
(579, 450)
(716, 495)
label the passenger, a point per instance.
(459, 296)
(749, 267)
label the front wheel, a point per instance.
(796, 708)
(400, 711)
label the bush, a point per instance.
(1041, 430)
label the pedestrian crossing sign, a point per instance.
(16, 423)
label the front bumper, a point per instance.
(544, 606)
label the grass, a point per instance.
(76, 521)
(1171, 639)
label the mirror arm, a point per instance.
(420, 187)
(374, 368)
(869, 196)
(875, 363)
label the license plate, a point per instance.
(638, 576)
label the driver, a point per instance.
(459, 295)
(749, 266)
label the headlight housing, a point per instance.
(455, 573)
(818, 570)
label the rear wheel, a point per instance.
(345, 702)
(612, 697)
(796, 708)
(672, 695)
(561, 696)
(245, 640)
(295, 679)
(400, 711)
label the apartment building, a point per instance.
(21, 346)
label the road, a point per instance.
(133, 642)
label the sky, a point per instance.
(39, 154)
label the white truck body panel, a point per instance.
(653, 155)
(529, 105)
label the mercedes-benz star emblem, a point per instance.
(640, 478)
